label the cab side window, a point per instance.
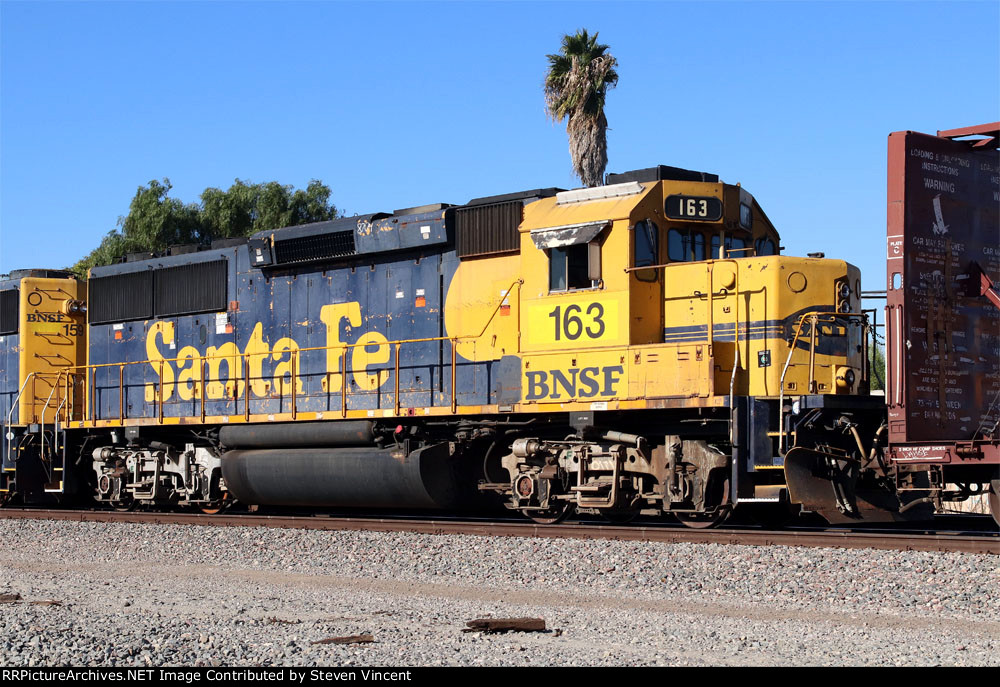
(647, 248)
(765, 246)
(677, 246)
(698, 245)
(736, 247)
(685, 245)
(569, 268)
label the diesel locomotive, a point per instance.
(642, 347)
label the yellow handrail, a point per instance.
(813, 317)
(91, 370)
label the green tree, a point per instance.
(111, 248)
(156, 221)
(576, 87)
(247, 208)
(876, 363)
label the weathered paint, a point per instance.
(625, 343)
(50, 342)
(943, 345)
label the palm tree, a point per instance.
(576, 86)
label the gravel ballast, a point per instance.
(160, 595)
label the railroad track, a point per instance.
(891, 539)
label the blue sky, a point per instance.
(400, 104)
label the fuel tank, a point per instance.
(299, 434)
(345, 477)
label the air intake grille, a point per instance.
(314, 248)
(120, 297)
(488, 229)
(9, 301)
(187, 289)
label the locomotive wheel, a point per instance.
(704, 521)
(124, 505)
(219, 506)
(550, 516)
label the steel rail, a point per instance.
(923, 540)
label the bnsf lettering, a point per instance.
(587, 382)
(46, 317)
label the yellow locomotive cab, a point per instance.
(622, 306)
(668, 296)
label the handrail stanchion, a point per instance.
(454, 376)
(813, 318)
(201, 389)
(34, 416)
(159, 388)
(343, 383)
(294, 360)
(121, 392)
(396, 394)
(15, 403)
(246, 390)
(69, 398)
(48, 400)
(813, 324)
(711, 305)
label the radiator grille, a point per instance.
(314, 248)
(9, 302)
(120, 297)
(488, 229)
(188, 289)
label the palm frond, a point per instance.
(575, 88)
